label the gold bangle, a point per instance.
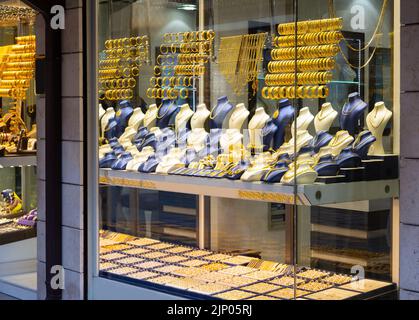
(185, 93)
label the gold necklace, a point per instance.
(381, 122)
(167, 111)
(322, 118)
(212, 117)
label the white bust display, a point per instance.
(238, 117)
(109, 114)
(150, 117)
(200, 117)
(258, 168)
(197, 139)
(183, 117)
(341, 141)
(171, 161)
(300, 174)
(136, 119)
(377, 121)
(128, 135)
(325, 118)
(302, 140)
(305, 118)
(231, 139)
(140, 158)
(256, 126)
(101, 111)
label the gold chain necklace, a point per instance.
(381, 122)
(212, 117)
(167, 111)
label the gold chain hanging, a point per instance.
(332, 13)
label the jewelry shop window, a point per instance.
(18, 145)
(247, 149)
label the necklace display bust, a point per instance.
(341, 141)
(258, 168)
(171, 161)
(136, 119)
(303, 139)
(150, 117)
(140, 158)
(182, 121)
(200, 117)
(104, 121)
(231, 139)
(363, 144)
(102, 111)
(304, 174)
(238, 117)
(123, 115)
(325, 118)
(256, 125)
(167, 114)
(220, 114)
(305, 118)
(127, 137)
(282, 118)
(352, 112)
(198, 139)
(377, 121)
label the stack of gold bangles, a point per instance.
(26, 40)
(119, 94)
(302, 65)
(311, 26)
(20, 66)
(301, 92)
(188, 70)
(192, 36)
(21, 57)
(17, 75)
(309, 39)
(301, 78)
(171, 93)
(159, 82)
(309, 52)
(121, 65)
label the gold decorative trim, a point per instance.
(141, 184)
(269, 197)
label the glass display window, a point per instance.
(246, 150)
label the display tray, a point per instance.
(18, 160)
(9, 233)
(203, 274)
(309, 195)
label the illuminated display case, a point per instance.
(247, 150)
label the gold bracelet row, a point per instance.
(311, 26)
(119, 73)
(301, 92)
(126, 52)
(12, 93)
(194, 58)
(26, 39)
(126, 42)
(159, 82)
(20, 65)
(119, 94)
(23, 48)
(309, 39)
(118, 83)
(21, 57)
(14, 83)
(310, 52)
(301, 78)
(187, 70)
(193, 36)
(301, 65)
(18, 75)
(171, 93)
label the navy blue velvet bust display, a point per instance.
(363, 144)
(122, 162)
(348, 159)
(122, 116)
(321, 140)
(167, 113)
(220, 113)
(268, 133)
(327, 167)
(283, 117)
(351, 113)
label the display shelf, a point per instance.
(17, 161)
(307, 195)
